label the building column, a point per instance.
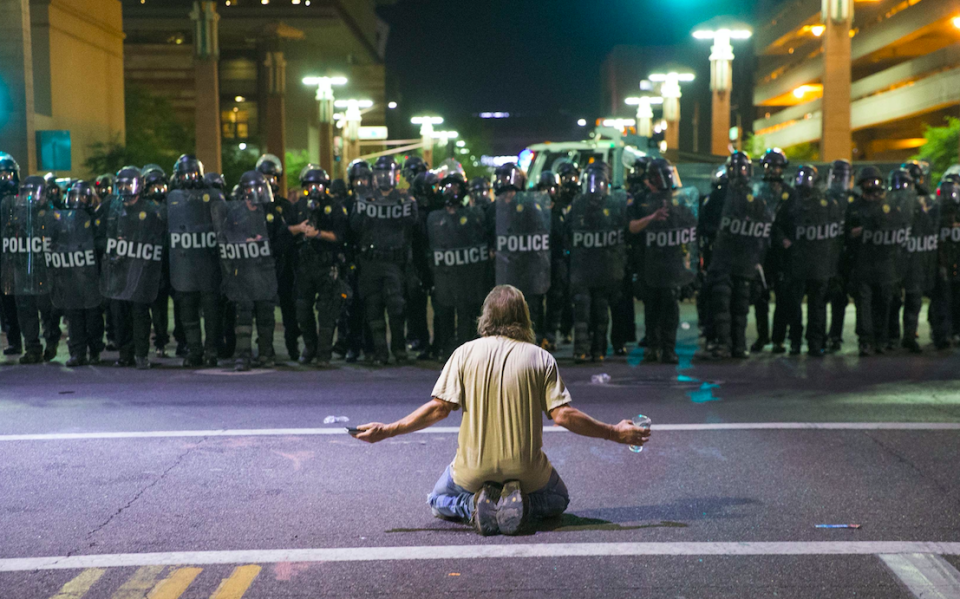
(721, 84)
(275, 111)
(325, 101)
(17, 132)
(836, 136)
(207, 77)
(670, 90)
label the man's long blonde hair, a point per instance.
(505, 313)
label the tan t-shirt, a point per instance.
(503, 387)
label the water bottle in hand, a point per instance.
(640, 421)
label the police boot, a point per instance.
(182, 350)
(911, 345)
(721, 352)
(242, 364)
(309, 353)
(13, 350)
(759, 344)
(31, 357)
(834, 345)
(76, 361)
(293, 350)
(651, 355)
(192, 361)
(94, 359)
(50, 353)
(778, 349)
(795, 349)
(142, 363)
(865, 350)
(668, 356)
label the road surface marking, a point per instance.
(276, 432)
(238, 583)
(144, 579)
(78, 587)
(428, 553)
(175, 584)
(927, 576)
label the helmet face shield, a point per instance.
(33, 191)
(872, 187)
(129, 188)
(7, 176)
(453, 193)
(314, 190)
(840, 179)
(256, 192)
(78, 196)
(949, 192)
(386, 177)
(806, 178)
(595, 183)
(508, 179)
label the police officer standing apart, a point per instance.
(385, 223)
(666, 223)
(272, 169)
(596, 235)
(323, 223)
(459, 257)
(23, 221)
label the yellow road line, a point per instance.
(238, 583)
(139, 584)
(174, 585)
(78, 587)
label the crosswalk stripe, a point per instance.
(78, 587)
(927, 576)
(238, 583)
(175, 584)
(138, 585)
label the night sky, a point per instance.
(461, 57)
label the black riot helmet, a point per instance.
(917, 172)
(900, 179)
(412, 167)
(774, 162)
(453, 189)
(154, 183)
(188, 173)
(426, 188)
(359, 176)
(719, 177)
(129, 184)
(840, 177)
(80, 195)
(595, 182)
(54, 193)
(549, 183)
(386, 173)
(315, 182)
(739, 167)
(870, 182)
(338, 187)
(479, 186)
(104, 185)
(9, 175)
(34, 191)
(507, 177)
(569, 176)
(214, 181)
(806, 177)
(271, 168)
(660, 174)
(949, 191)
(254, 188)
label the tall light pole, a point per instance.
(352, 117)
(325, 100)
(443, 137)
(722, 31)
(836, 139)
(426, 134)
(670, 90)
(644, 103)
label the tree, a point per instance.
(940, 148)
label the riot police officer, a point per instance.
(903, 192)
(412, 167)
(9, 185)
(809, 228)
(596, 235)
(23, 221)
(103, 187)
(155, 189)
(74, 274)
(559, 316)
(480, 192)
(945, 303)
(519, 222)
(878, 229)
(423, 188)
(460, 257)
(742, 238)
(272, 169)
(321, 235)
(840, 190)
(133, 233)
(353, 326)
(623, 325)
(710, 218)
(549, 184)
(919, 258)
(385, 223)
(665, 222)
(194, 263)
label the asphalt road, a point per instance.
(121, 484)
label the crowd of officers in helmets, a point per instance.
(348, 260)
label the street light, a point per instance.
(426, 134)
(325, 99)
(352, 117)
(670, 91)
(722, 30)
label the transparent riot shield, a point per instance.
(194, 259)
(459, 254)
(24, 241)
(72, 261)
(132, 264)
(522, 243)
(246, 258)
(670, 246)
(597, 240)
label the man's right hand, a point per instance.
(628, 434)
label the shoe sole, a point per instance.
(512, 509)
(485, 515)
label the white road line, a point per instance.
(529, 550)
(925, 575)
(274, 432)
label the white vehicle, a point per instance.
(608, 146)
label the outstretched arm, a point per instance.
(426, 415)
(577, 422)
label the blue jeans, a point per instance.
(450, 500)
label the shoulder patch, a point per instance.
(327, 209)
(279, 209)
(86, 225)
(823, 203)
(749, 197)
(143, 216)
(344, 209)
(463, 220)
(785, 195)
(206, 197)
(886, 208)
(849, 199)
(269, 217)
(606, 212)
(519, 207)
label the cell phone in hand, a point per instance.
(353, 431)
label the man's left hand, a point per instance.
(373, 432)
